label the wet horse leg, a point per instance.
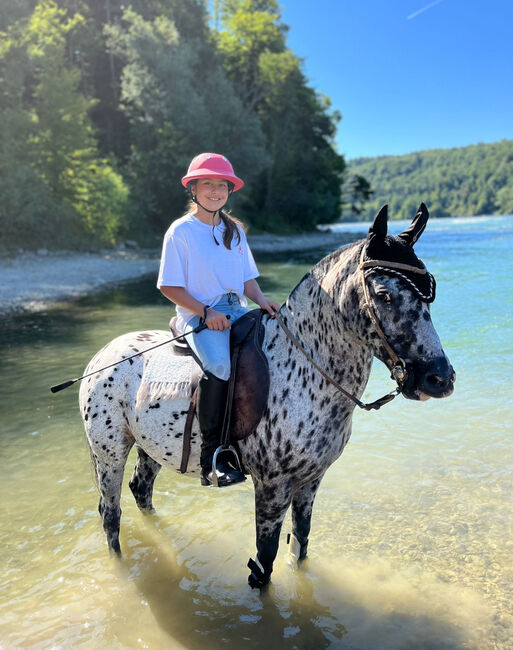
(271, 504)
(143, 478)
(110, 466)
(302, 505)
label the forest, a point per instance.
(465, 181)
(105, 103)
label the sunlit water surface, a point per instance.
(412, 536)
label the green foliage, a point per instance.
(300, 186)
(357, 191)
(54, 186)
(104, 105)
(466, 181)
(179, 102)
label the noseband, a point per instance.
(395, 364)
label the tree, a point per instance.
(301, 184)
(53, 138)
(463, 181)
(358, 190)
(179, 102)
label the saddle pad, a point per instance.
(167, 376)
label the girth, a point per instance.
(248, 387)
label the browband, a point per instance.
(395, 268)
(393, 265)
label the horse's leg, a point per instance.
(141, 483)
(271, 504)
(110, 466)
(302, 505)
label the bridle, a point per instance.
(394, 363)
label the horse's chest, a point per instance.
(299, 436)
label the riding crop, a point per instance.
(70, 382)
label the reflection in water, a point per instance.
(209, 611)
(306, 609)
(412, 535)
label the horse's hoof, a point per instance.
(257, 579)
(115, 550)
(255, 583)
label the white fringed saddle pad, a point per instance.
(166, 376)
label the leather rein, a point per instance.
(395, 364)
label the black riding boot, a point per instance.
(210, 409)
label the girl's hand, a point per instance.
(216, 320)
(269, 306)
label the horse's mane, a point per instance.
(319, 269)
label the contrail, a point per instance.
(421, 11)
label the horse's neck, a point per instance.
(323, 314)
(326, 297)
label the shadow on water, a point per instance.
(65, 320)
(208, 611)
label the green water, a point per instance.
(412, 535)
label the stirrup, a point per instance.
(222, 449)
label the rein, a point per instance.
(395, 364)
(367, 407)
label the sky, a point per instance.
(408, 75)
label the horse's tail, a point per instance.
(94, 471)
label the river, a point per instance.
(412, 534)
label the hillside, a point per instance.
(465, 181)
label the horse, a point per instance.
(369, 299)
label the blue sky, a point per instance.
(409, 75)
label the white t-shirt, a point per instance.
(191, 259)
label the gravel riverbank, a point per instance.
(34, 281)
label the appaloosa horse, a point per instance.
(368, 299)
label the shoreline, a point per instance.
(35, 281)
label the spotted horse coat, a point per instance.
(307, 422)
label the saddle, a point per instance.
(248, 387)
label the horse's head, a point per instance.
(397, 290)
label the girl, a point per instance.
(207, 269)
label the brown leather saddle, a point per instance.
(248, 387)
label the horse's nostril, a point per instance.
(435, 380)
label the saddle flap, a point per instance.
(243, 326)
(251, 376)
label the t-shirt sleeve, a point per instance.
(173, 262)
(250, 268)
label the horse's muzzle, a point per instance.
(433, 378)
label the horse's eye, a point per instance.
(384, 295)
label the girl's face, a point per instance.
(212, 192)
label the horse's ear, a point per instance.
(379, 227)
(417, 226)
